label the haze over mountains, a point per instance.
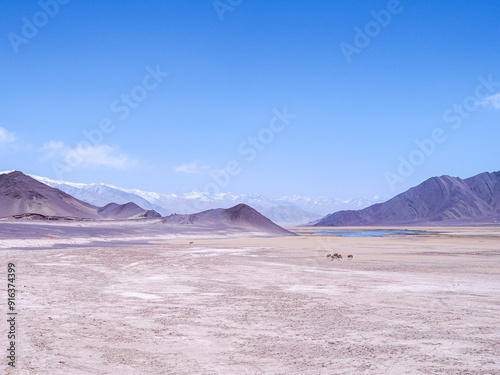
(438, 200)
(286, 211)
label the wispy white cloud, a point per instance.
(87, 156)
(11, 143)
(193, 167)
(7, 136)
(491, 101)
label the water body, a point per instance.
(360, 232)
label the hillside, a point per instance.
(22, 196)
(438, 200)
(240, 217)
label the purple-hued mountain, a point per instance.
(128, 210)
(120, 211)
(239, 217)
(21, 195)
(438, 200)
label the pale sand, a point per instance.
(403, 305)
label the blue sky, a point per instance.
(171, 92)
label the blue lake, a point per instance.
(359, 232)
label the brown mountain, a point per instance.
(239, 217)
(126, 211)
(119, 211)
(21, 195)
(438, 200)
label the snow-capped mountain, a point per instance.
(324, 205)
(289, 216)
(287, 211)
(99, 194)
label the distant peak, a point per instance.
(16, 174)
(241, 211)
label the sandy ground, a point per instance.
(403, 305)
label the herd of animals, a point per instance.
(338, 256)
(331, 256)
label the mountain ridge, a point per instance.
(442, 199)
(288, 210)
(22, 196)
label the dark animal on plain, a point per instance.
(350, 256)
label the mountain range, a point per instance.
(22, 195)
(436, 201)
(285, 211)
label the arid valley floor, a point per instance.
(403, 305)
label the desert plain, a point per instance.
(220, 303)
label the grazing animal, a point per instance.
(329, 255)
(191, 243)
(339, 256)
(350, 256)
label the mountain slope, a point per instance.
(442, 199)
(98, 194)
(240, 217)
(120, 211)
(21, 194)
(487, 187)
(286, 211)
